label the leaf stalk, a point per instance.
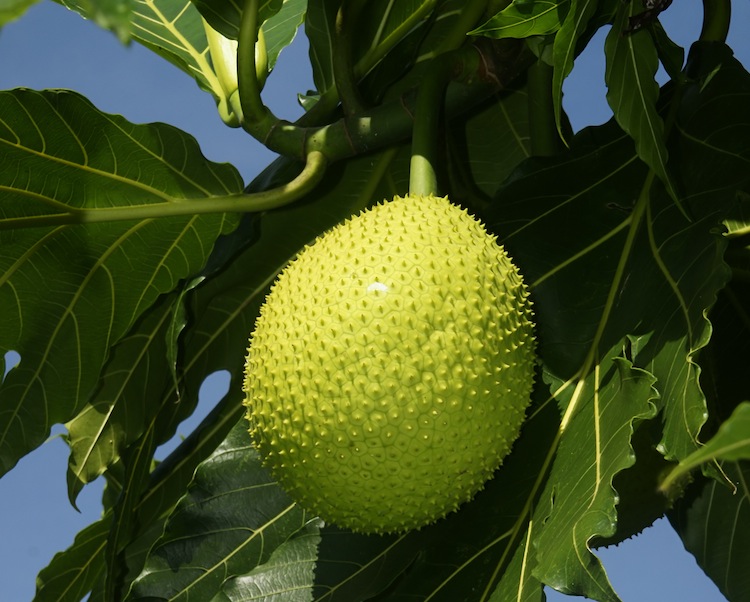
(233, 203)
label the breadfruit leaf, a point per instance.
(61, 155)
(713, 521)
(643, 311)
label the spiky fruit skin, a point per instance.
(391, 366)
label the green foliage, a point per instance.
(133, 268)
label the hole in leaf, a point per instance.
(10, 360)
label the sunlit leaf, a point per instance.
(280, 29)
(121, 408)
(62, 156)
(114, 15)
(732, 442)
(523, 19)
(172, 29)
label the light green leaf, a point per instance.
(319, 27)
(114, 15)
(731, 442)
(60, 157)
(10, 10)
(121, 409)
(523, 19)
(632, 91)
(280, 29)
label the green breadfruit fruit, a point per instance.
(391, 366)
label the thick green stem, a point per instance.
(716, 18)
(235, 203)
(425, 140)
(545, 139)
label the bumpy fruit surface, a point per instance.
(391, 366)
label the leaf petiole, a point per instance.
(233, 203)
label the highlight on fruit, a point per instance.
(391, 366)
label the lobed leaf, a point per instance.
(287, 574)
(122, 407)
(280, 29)
(651, 338)
(319, 26)
(714, 524)
(61, 156)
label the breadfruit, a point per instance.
(391, 366)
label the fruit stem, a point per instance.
(464, 65)
(545, 139)
(427, 112)
(172, 207)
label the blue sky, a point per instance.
(53, 48)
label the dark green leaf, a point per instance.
(319, 27)
(565, 49)
(614, 250)
(286, 576)
(715, 526)
(671, 55)
(62, 156)
(231, 521)
(225, 15)
(72, 573)
(632, 91)
(487, 145)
